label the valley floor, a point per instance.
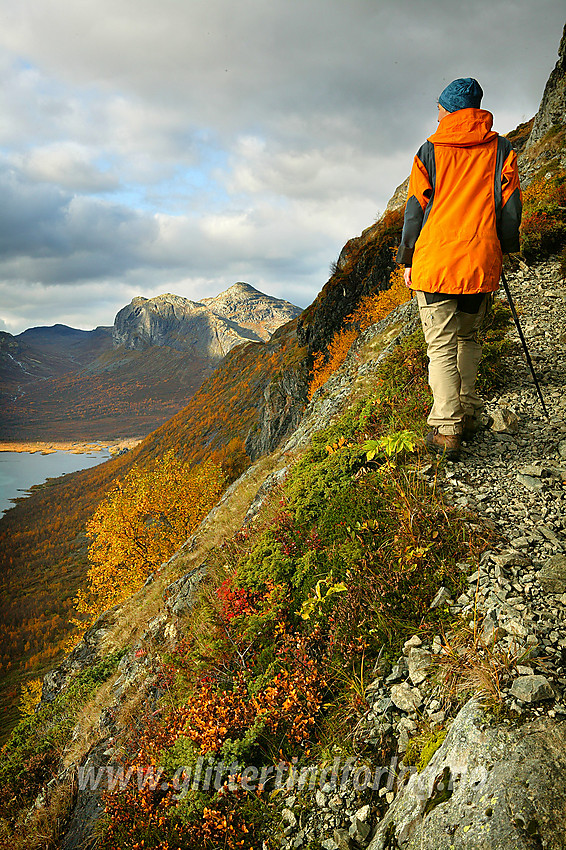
(75, 447)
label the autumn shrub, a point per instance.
(371, 309)
(244, 725)
(543, 228)
(140, 524)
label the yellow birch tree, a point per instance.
(140, 524)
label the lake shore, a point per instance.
(73, 446)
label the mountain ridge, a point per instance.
(55, 380)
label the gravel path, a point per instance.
(515, 479)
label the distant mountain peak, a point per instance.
(211, 326)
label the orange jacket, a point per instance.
(463, 207)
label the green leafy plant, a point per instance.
(391, 444)
(319, 598)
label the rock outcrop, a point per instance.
(490, 786)
(252, 310)
(552, 110)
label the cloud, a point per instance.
(70, 166)
(146, 146)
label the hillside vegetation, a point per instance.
(293, 605)
(338, 567)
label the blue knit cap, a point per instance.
(464, 93)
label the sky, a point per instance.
(151, 146)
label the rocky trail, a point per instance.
(513, 476)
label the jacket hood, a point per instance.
(465, 128)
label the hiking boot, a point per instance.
(470, 426)
(443, 444)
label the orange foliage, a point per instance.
(371, 309)
(287, 705)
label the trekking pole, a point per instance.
(522, 338)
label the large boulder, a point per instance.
(490, 786)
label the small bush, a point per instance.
(543, 229)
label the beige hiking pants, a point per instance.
(454, 357)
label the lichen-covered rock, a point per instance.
(552, 577)
(179, 596)
(488, 787)
(85, 654)
(532, 689)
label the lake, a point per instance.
(21, 470)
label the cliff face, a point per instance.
(552, 110)
(211, 327)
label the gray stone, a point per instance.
(383, 706)
(530, 482)
(342, 839)
(363, 813)
(441, 597)
(406, 698)
(398, 671)
(515, 627)
(532, 689)
(402, 741)
(552, 577)
(488, 787)
(359, 831)
(288, 817)
(412, 642)
(179, 596)
(419, 662)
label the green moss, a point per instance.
(421, 748)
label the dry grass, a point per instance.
(469, 666)
(83, 735)
(42, 829)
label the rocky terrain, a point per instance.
(502, 771)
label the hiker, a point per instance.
(463, 211)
